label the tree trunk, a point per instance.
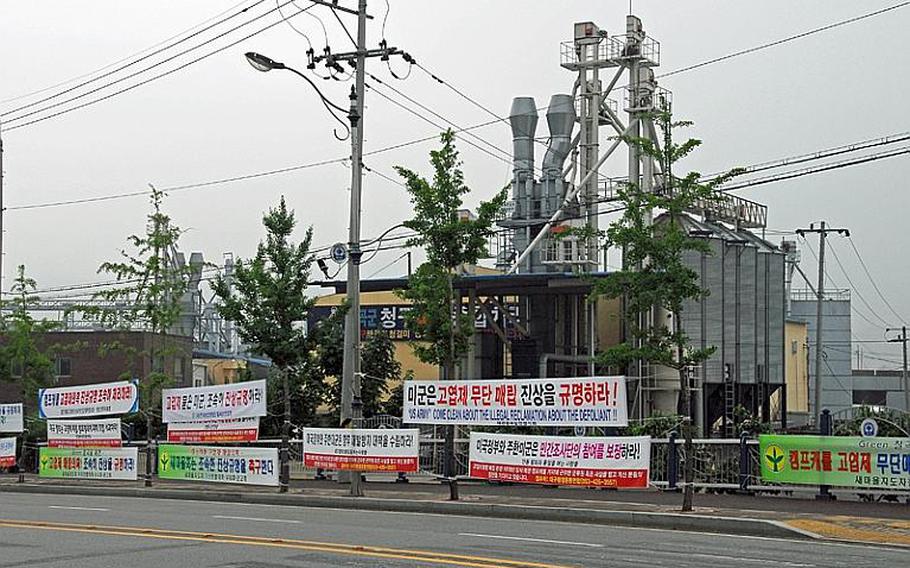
(284, 457)
(449, 451)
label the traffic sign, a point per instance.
(339, 253)
(869, 428)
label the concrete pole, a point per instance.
(906, 381)
(1, 211)
(820, 295)
(350, 379)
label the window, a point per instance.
(870, 397)
(15, 368)
(63, 367)
(180, 370)
(794, 347)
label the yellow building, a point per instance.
(796, 371)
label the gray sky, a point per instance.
(219, 118)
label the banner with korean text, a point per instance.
(868, 463)
(7, 452)
(88, 463)
(580, 401)
(555, 460)
(103, 433)
(89, 400)
(250, 466)
(361, 449)
(214, 431)
(218, 402)
(11, 417)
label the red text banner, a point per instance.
(102, 433)
(218, 402)
(214, 431)
(361, 449)
(579, 401)
(554, 460)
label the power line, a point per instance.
(127, 58)
(141, 71)
(150, 79)
(853, 307)
(855, 288)
(872, 280)
(784, 40)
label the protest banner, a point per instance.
(88, 463)
(218, 402)
(214, 431)
(11, 418)
(555, 460)
(582, 401)
(89, 400)
(845, 461)
(103, 433)
(7, 452)
(361, 449)
(251, 466)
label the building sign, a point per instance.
(250, 466)
(214, 431)
(389, 320)
(88, 463)
(89, 400)
(7, 452)
(868, 463)
(554, 460)
(361, 449)
(104, 433)
(219, 402)
(11, 417)
(582, 401)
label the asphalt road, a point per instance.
(75, 531)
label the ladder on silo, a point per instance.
(729, 401)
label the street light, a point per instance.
(262, 63)
(350, 383)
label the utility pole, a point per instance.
(904, 381)
(351, 405)
(822, 231)
(1, 211)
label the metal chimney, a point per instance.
(523, 118)
(560, 120)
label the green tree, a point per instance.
(450, 241)
(150, 287)
(268, 303)
(655, 275)
(23, 359)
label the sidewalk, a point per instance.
(768, 516)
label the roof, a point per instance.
(487, 284)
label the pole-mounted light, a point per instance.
(262, 63)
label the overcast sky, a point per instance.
(219, 118)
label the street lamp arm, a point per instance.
(329, 105)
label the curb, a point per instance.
(652, 520)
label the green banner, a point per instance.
(869, 463)
(220, 464)
(88, 463)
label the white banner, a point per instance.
(11, 417)
(219, 402)
(89, 400)
(220, 431)
(361, 449)
(7, 452)
(103, 433)
(220, 464)
(555, 460)
(581, 401)
(88, 463)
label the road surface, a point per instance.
(107, 532)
